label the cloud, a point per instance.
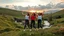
(40, 7)
(57, 1)
(36, 4)
(42, 2)
(60, 5)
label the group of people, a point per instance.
(33, 17)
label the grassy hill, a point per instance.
(6, 18)
(55, 18)
(59, 17)
(8, 22)
(9, 28)
(59, 13)
(10, 12)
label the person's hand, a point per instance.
(23, 13)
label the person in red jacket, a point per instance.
(33, 18)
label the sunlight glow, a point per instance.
(32, 11)
(36, 11)
(39, 11)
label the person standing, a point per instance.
(39, 20)
(26, 21)
(27, 16)
(33, 18)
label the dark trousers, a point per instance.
(39, 23)
(32, 24)
(26, 24)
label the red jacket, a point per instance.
(33, 17)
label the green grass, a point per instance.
(54, 18)
(54, 15)
(7, 22)
(9, 28)
(46, 32)
(10, 12)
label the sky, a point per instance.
(29, 4)
(25, 3)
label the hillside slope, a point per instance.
(59, 13)
(55, 18)
(10, 12)
(7, 22)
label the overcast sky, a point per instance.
(25, 3)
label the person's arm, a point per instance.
(36, 16)
(23, 14)
(29, 17)
(43, 13)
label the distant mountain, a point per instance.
(51, 11)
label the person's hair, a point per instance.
(34, 14)
(39, 14)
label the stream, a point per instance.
(46, 25)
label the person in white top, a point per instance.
(39, 20)
(26, 17)
(26, 20)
